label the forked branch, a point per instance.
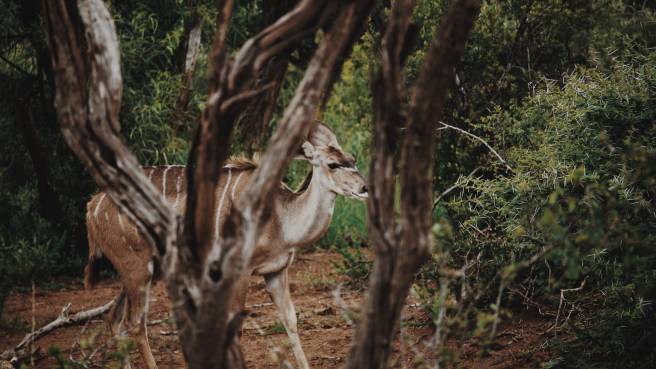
(64, 319)
(241, 229)
(401, 249)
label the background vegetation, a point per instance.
(563, 90)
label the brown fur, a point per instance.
(242, 163)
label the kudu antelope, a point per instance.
(299, 219)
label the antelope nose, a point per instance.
(363, 189)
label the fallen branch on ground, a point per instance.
(19, 352)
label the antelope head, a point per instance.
(334, 168)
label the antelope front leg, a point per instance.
(277, 285)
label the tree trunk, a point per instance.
(191, 46)
(256, 118)
(401, 248)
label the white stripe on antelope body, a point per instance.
(298, 219)
(217, 228)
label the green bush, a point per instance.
(354, 265)
(583, 192)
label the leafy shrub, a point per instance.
(580, 201)
(355, 265)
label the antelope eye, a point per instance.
(333, 165)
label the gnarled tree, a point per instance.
(200, 272)
(88, 93)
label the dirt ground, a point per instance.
(324, 328)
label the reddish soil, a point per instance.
(324, 328)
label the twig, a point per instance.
(341, 304)
(229, 103)
(456, 185)
(529, 301)
(560, 304)
(63, 320)
(31, 350)
(497, 308)
(444, 126)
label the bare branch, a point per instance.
(18, 353)
(455, 185)
(560, 304)
(444, 126)
(228, 104)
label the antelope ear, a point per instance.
(322, 136)
(305, 152)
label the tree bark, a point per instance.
(402, 247)
(89, 116)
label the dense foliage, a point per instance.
(582, 194)
(564, 91)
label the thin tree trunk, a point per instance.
(401, 248)
(256, 118)
(191, 46)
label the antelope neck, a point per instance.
(305, 217)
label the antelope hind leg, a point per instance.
(277, 285)
(116, 319)
(138, 321)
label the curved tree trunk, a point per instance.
(401, 248)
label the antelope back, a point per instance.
(114, 235)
